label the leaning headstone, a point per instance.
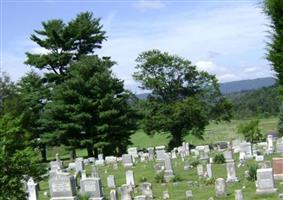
(231, 172)
(127, 160)
(79, 165)
(32, 190)
(239, 195)
(265, 181)
(113, 195)
(146, 190)
(62, 186)
(168, 172)
(277, 168)
(92, 188)
(126, 192)
(111, 182)
(130, 178)
(220, 188)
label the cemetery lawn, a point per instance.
(201, 189)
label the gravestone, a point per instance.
(55, 166)
(79, 165)
(146, 190)
(189, 194)
(150, 151)
(126, 192)
(228, 156)
(200, 171)
(127, 160)
(100, 161)
(231, 172)
(239, 195)
(259, 158)
(209, 170)
(111, 182)
(168, 172)
(92, 188)
(220, 188)
(32, 190)
(166, 195)
(110, 160)
(94, 172)
(186, 148)
(113, 195)
(62, 186)
(270, 147)
(133, 151)
(130, 178)
(160, 152)
(277, 168)
(246, 148)
(279, 146)
(140, 197)
(265, 181)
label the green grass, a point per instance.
(214, 132)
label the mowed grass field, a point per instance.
(201, 190)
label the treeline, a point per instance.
(263, 102)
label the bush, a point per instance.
(177, 178)
(219, 159)
(252, 172)
(143, 179)
(159, 178)
(195, 162)
(251, 131)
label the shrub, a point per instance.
(252, 172)
(219, 158)
(177, 178)
(159, 178)
(195, 162)
(143, 179)
(251, 131)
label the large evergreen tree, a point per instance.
(182, 99)
(91, 109)
(65, 43)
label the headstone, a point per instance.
(55, 166)
(111, 182)
(220, 188)
(259, 158)
(209, 170)
(246, 148)
(277, 167)
(91, 159)
(100, 161)
(189, 194)
(127, 160)
(200, 171)
(239, 195)
(32, 190)
(150, 151)
(146, 190)
(126, 191)
(279, 146)
(166, 195)
(168, 172)
(83, 174)
(265, 181)
(270, 147)
(133, 151)
(94, 172)
(231, 172)
(228, 156)
(203, 153)
(110, 160)
(79, 165)
(62, 186)
(160, 152)
(113, 195)
(92, 188)
(130, 178)
(140, 197)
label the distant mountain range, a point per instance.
(237, 86)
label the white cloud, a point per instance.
(144, 5)
(206, 66)
(228, 77)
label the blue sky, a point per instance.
(224, 37)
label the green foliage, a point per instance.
(209, 181)
(263, 102)
(219, 159)
(251, 131)
(90, 109)
(252, 172)
(17, 160)
(191, 98)
(280, 122)
(143, 179)
(177, 178)
(159, 178)
(194, 162)
(65, 43)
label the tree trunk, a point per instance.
(176, 139)
(90, 151)
(73, 154)
(95, 152)
(43, 153)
